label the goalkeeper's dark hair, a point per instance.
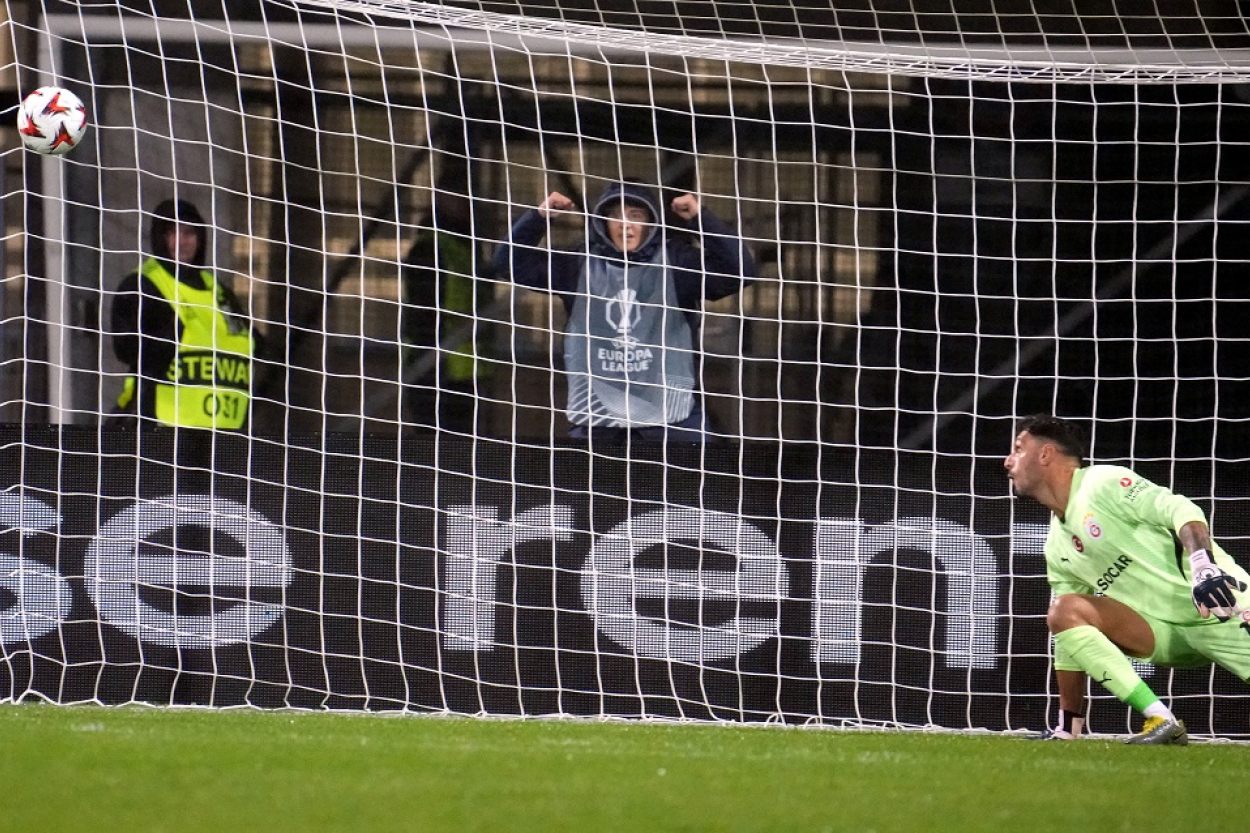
(1067, 436)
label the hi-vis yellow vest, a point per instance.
(209, 382)
(459, 305)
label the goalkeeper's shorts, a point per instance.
(1185, 646)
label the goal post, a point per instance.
(946, 232)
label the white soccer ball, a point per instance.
(52, 120)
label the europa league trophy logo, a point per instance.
(623, 313)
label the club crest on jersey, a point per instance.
(1126, 482)
(1092, 529)
(1076, 544)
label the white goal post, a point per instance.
(943, 234)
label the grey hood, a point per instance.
(634, 194)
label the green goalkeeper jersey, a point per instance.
(1118, 539)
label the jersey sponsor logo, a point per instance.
(1134, 487)
(1077, 545)
(1092, 529)
(1113, 572)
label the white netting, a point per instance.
(943, 59)
(948, 227)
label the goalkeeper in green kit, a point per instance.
(1134, 574)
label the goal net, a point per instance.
(869, 241)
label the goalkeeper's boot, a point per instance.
(1160, 731)
(1053, 734)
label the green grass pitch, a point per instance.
(140, 768)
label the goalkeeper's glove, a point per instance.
(1214, 590)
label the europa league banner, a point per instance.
(743, 583)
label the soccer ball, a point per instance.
(51, 120)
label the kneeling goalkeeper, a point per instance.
(1134, 573)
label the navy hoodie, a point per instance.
(629, 363)
(721, 268)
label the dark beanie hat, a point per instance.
(169, 214)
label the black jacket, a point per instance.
(145, 329)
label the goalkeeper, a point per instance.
(1134, 573)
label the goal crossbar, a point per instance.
(432, 25)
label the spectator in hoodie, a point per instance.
(633, 294)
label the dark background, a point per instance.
(1061, 246)
(362, 518)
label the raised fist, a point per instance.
(556, 202)
(686, 206)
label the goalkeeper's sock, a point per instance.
(1157, 709)
(1098, 657)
